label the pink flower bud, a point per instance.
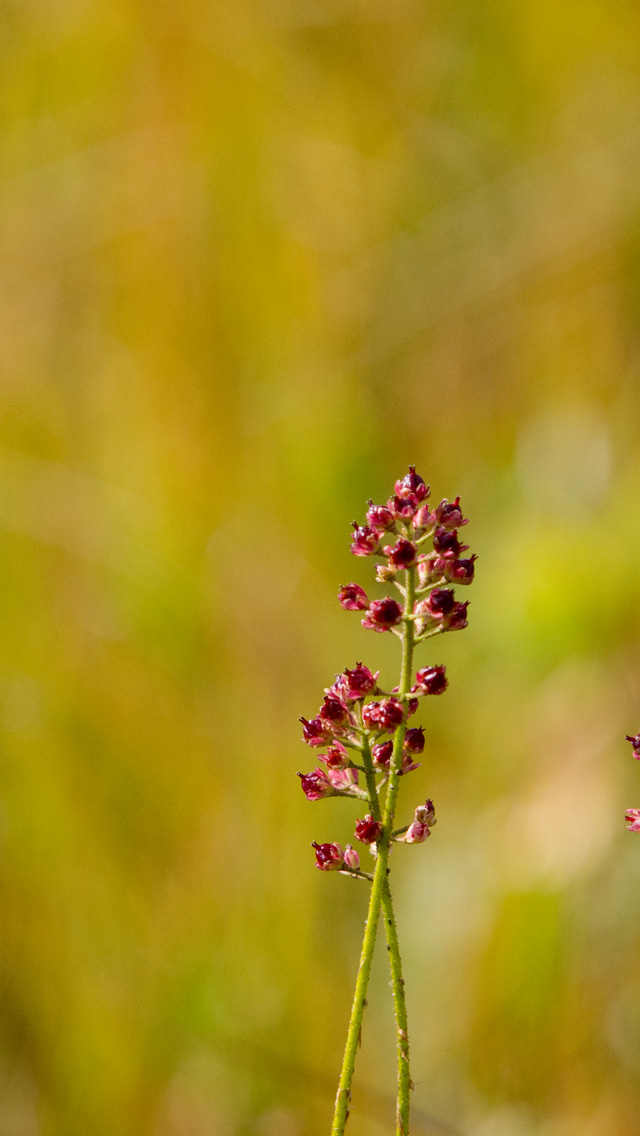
(456, 620)
(633, 815)
(365, 540)
(412, 485)
(368, 831)
(449, 515)
(460, 571)
(317, 732)
(380, 517)
(430, 569)
(430, 680)
(446, 543)
(386, 715)
(342, 779)
(403, 508)
(414, 740)
(351, 858)
(385, 573)
(635, 742)
(424, 518)
(381, 754)
(336, 757)
(402, 554)
(316, 785)
(353, 597)
(383, 614)
(329, 857)
(426, 813)
(416, 833)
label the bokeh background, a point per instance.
(257, 256)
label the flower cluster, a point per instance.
(359, 726)
(633, 815)
(408, 520)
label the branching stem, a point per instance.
(381, 897)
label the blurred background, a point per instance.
(256, 258)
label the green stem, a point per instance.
(395, 963)
(379, 889)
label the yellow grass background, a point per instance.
(257, 256)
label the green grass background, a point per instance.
(257, 256)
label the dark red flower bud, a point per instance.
(449, 515)
(333, 710)
(414, 740)
(336, 757)
(402, 554)
(316, 785)
(365, 540)
(403, 508)
(457, 618)
(353, 597)
(439, 603)
(317, 732)
(412, 706)
(383, 614)
(329, 857)
(380, 517)
(368, 830)
(356, 684)
(412, 485)
(381, 754)
(447, 544)
(460, 571)
(635, 742)
(430, 680)
(384, 715)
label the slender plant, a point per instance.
(633, 815)
(363, 728)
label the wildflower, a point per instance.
(633, 815)
(353, 597)
(351, 858)
(460, 571)
(635, 742)
(316, 785)
(381, 754)
(412, 485)
(368, 830)
(365, 541)
(449, 515)
(430, 680)
(439, 602)
(456, 620)
(329, 857)
(383, 614)
(402, 554)
(356, 684)
(414, 740)
(380, 518)
(446, 543)
(385, 716)
(333, 710)
(317, 732)
(336, 757)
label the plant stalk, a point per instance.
(380, 894)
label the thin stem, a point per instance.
(379, 892)
(395, 963)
